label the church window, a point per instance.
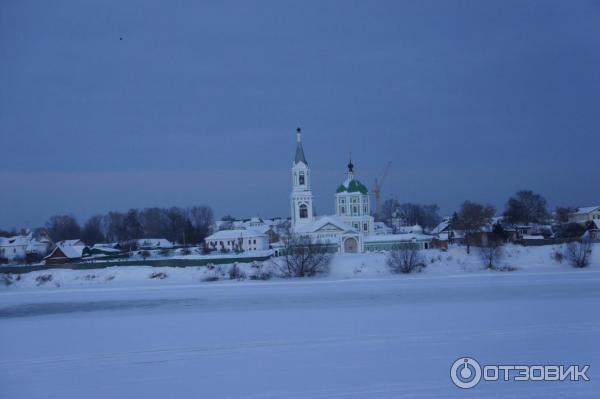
(343, 210)
(365, 227)
(303, 211)
(355, 209)
(301, 178)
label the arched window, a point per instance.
(303, 211)
(301, 179)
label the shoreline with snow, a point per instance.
(455, 261)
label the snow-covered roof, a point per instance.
(155, 242)
(70, 251)
(75, 242)
(497, 220)
(27, 241)
(398, 237)
(381, 227)
(299, 150)
(441, 227)
(411, 229)
(105, 245)
(352, 185)
(15, 241)
(532, 237)
(323, 221)
(263, 228)
(586, 210)
(234, 234)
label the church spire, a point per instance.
(299, 149)
(350, 168)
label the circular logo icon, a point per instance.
(465, 372)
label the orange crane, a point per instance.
(377, 190)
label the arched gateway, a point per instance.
(350, 245)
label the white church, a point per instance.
(351, 229)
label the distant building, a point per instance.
(154, 243)
(18, 247)
(380, 228)
(352, 228)
(586, 214)
(72, 243)
(238, 240)
(64, 253)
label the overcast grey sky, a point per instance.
(197, 104)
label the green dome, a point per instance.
(352, 186)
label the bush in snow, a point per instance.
(212, 274)
(405, 259)
(557, 256)
(164, 252)
(578, 252)
(43, 279)
(145, 254)
(33, 257)
(491, 253)
(186, 251)
(8, 279)
(260, 272)
(158, 275)
(304, 257)
(235, 273)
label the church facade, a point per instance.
(351, 229)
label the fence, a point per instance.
(152, 263)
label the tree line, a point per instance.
(187, 226)
(524, 208)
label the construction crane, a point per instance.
(377, 190)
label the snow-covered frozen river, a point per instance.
(363, 338)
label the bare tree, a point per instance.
(202, 219)
(145, 254)
(562, 213)
(388, 209)
(491, 253)
(578, 253)
(63, 227)
(113, 226)
(471, 218)
(405, 259)
(526, 207)
(92, 231)
(423, 215)
(304, 257)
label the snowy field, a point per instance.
(358, 333)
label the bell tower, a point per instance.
(301, 199)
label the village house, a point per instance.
(154, 243)
(64, 253)
(238, 240)
(19, 247)
(586, 214)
